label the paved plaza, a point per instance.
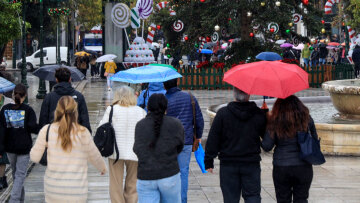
(338, 180)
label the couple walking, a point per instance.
(235, 137)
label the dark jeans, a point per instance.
(292, 182)
(237, 178)
(357, 69)
(83, 71)
(94, 70)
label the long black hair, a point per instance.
(20, 91)
(157, 106)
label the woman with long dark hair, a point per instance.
(291, 175)
(158, 141)
(17, 122)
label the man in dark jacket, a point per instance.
(356, 59)
(180, 107)
(63, 88)
(322, 54)
(235, 137)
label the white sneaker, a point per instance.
(109, 89)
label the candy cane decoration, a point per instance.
(352, 34)
(165, 4)
(151, 34)
(329, 4)
(202, 40)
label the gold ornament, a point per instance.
(262, 3)
(277, 37)
(249, 13)
(217, 27)
(323, 30)
(149, 29)
(291, 24)
(181, 62)
(277, 3)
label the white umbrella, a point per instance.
(156, 45)
(281, 41)
(105, 58)
(299, 47)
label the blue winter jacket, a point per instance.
(179, 106)
(154, 87)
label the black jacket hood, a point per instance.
(243, 110)
(64, 88)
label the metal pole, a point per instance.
(23, 67)
(58, 60)
(347, 46)
(14, 54)
(42, 88)
(68, 44)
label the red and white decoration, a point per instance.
(151, 34)
(329, 4)
(202, 41)
(178, 26)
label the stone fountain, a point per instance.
(340, 133)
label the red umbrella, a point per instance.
(333, 44)
(268, 78)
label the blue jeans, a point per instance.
(166, 190)
(306, 61)
(313, 63)
(184, 162)
(322, 61)
(18, 164)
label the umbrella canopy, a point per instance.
(268, 56)
(148, 73)
(48, 73)
(333, 44)
(286, 45)
(343, 44)
(224, 46)
(106, 58)
(299, 47)
(280, 41)
(209, 45)
(330, 47)
(82, 53)
(5, 85)
(91, 52)
(206, 51)
(268, 78)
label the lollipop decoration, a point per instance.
(120, 16)
(202, 40)
(215, 37)
(329, 4)
(273, 26)
(296, 18)
(135, 19)
(178, 26)
(145, 8)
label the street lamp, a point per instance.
(42, 88)
(23, 65)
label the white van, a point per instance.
(49, 54)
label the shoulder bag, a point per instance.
(310, 148)
(196, 141)
(43, 160)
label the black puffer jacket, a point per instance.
(161, 161)
(287, 151)
(235, 134)
(356, 55)
(50, 102)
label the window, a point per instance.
(37, 55)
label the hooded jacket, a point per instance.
(235, 134)
(50, 102)
(305, 52)
(356, 55)
(154, 87)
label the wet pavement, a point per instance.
(338, 180)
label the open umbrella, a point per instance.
(91, 52)
(206, 51)
(330, 47)
(268, 78)
(5, 85)
(333, 44)
(280, 41)
(82, 53)
(268, 56)
(299, 47)
(106, 58)
(48, 73)
(285, 45)
(148, 73)
(224, 46)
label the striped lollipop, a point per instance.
(135, 19)
(120, 15)
(145, 8)
(151, 34)
(178, 26)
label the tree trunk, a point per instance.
(2, 51)
(245, 26)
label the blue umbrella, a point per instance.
(268, 56)
(148, 73)
(5, 85)
(206, 51)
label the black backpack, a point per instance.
(105, 138)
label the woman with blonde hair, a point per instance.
(70, 147)
(125, 116)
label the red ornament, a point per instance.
(186, 38)
(137, 55)
(323, 21)
(305, 2)
(208, 39)
(158, 27)
(202, 1)
(272, 30)
(251, 34)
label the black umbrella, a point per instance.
(91, 52)
(48, 73)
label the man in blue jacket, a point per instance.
(154, 87)
(180, 107)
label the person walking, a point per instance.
(17, 122)
(94, 71)
(356, 59)
(235, 137)
(69, 149)
(63, 88)
(159, 139)
(180, 106)
(153, 87)
(323, 52)
(305, 54)
(291, 175)
(125, 116)
(314, 57)
(3, 156)
(110, 68)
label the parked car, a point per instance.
(49, 54)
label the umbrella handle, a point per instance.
(264, 105)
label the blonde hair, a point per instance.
(66, 114)
(125, 96)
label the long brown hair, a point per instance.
(288, 116)
(66, 114)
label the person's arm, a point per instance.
(199, 120)
(105, 118)
(267, 143)
(32, 122)
(45, 112)
(212, 147)
(38, 149)
(83, 113)
(140, 99)
(2, 131)
(312, 128)
(94, 155)
(181, 137)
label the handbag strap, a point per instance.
(47, 133)
(193, 112)
(111, 114)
